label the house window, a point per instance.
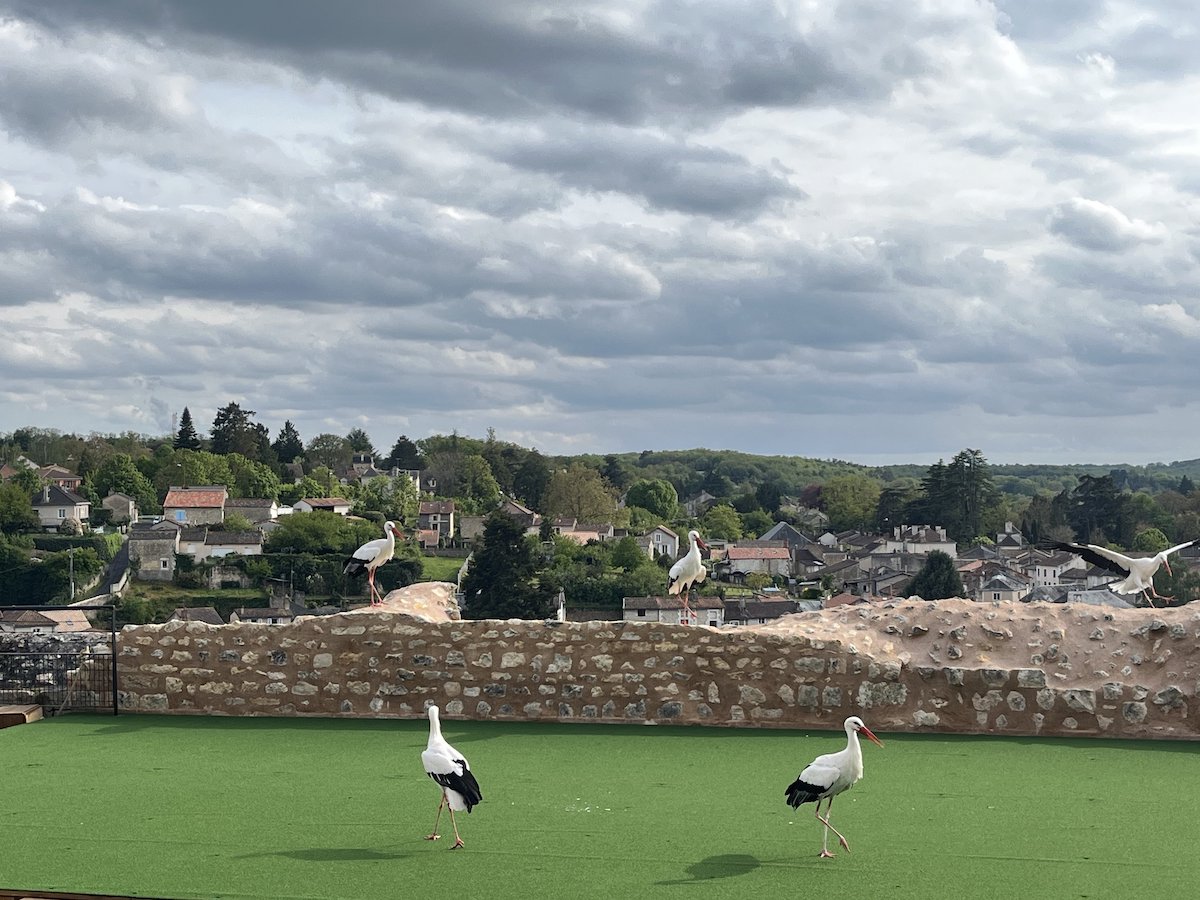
(642, 612)
(164, 563)
(996, 595)
(180, 515)
(712, 623)
(62, 513)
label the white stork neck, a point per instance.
(435, 726)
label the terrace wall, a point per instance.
(392, 665)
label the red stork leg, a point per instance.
(458, 842)
(825, 821)
(434, 836)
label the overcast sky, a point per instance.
(874, 231)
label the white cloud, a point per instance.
(840, 229)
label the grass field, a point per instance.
(192, 807)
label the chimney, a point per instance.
(45, 493)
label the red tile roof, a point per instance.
(208, 497)
(736, 552)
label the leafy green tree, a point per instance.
(329, 450)
(186, 437)
(579, 492)
(721, 521)
(656, 495)
(56, 570)
(626, 553)
(118, 473)
(1150, 540)
(850, 501)
(288, 447)
(318, 532)
(756, 522)
(251, 478)
(27, 480)
(307, 486)
(234, 521)
(502, 581)
(937, 580)
(16, 509)
(393, 498)
(476, 484)
(531, 479)
(496, 455)
(769, 494)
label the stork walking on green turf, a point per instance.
(827, 776)
(450, 770)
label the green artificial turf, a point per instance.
(195, 807)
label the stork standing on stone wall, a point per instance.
(371, 556)
(688, 571)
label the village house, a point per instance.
(152, 550)
(122, 507)
(339, 506)
(203, 505)
(659, 541)
(670, 610)
(63, 478)
(55, 505)
(773, 559)
(255, 509)
(437, 516)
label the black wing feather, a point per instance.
(354, 565)
(802, 792)
(1091, 556)
(465, 784)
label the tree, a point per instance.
(657, 495)
(756, 522)
(118, 473)
(850, 501)
(1150, 540)
(234, 521)
(405, 455)
(721, 521)
(1186, 486)
(288, 446)
(234, 431)
(502, 581)
(616, 472)
(937, 580)
(531, 479)
(252, 479)
(476, 484)
(1097, 511)
(329, 450)
(360, 442)
(16, 509)
(626, 554)
(578, 492)
(186, 438)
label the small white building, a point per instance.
(670, 610)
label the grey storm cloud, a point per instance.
(602, 226)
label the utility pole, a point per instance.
(71, 568)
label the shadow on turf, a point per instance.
(724, 866)
(330, 854)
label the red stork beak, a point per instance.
(700, 543)
(867, 731)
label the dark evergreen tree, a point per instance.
(616, 472)
(1186, 486)
(502, 581)
(405, 455)
(1098, 511)
(288, 445)
(186, 438)
(937, 580)
(360, 442)
(234, 431)
(531, 480)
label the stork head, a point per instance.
(694, 537)
(855, 724)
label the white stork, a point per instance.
(688, 570)
(1137, 572)
(827, 776)
(371, 556)
(449, 769)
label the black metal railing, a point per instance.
(71, 671)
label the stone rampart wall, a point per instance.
(392, 665)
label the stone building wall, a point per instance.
(385, 664)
